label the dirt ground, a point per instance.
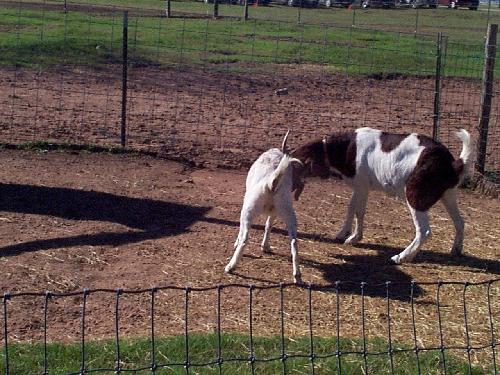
(70, 221)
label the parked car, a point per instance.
(221, 1)
(336, 3)
(378, 4)
(420, 3)
(301, 3)
(253, 2)
(240, 2)
(233, 2)
(455, 4)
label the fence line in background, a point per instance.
(367, 82)
(237, 9)
(312, 354)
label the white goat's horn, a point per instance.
(284, 148)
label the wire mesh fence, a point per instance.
(457, 334)
(210, 89)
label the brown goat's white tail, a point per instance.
(467, 153)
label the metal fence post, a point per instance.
(245, 11)
(416, 21)
(437, 87)
(486, 95)
(216, 9)
(299, 11)
(124, 78)
(168, 8)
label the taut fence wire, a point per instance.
(219, 91)
(250, 358)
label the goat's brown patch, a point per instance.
(341, 154)
(436, 171)
(389, 141)
(311, 156)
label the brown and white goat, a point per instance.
(269, 187)
(411, 166)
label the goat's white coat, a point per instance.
(379, 170)
(389, 172)
(268, 191)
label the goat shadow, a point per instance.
(375, 270)
(444, 259)
(365, 274)
(146, 218)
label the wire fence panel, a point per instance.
(282, 329)
(219, 91)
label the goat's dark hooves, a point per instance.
(298, 281)
(266, 250)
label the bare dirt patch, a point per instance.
(70, 221)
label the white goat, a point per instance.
(269, 187)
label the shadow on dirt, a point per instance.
(364, 274)
(435, 257)
(146, 218)
(469, 261)
(368, 274)
(351, 271)
(283, 232)
(356, 279)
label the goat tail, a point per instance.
(284, 147)
(280, 171)
(463, 164)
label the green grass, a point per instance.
(461, 24)
(235, 349)
(41, 39)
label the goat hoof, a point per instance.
(266, 249)
(341, 237)
(352, 240)
(228, 269)
(297, 280)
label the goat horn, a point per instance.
(284, 148)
